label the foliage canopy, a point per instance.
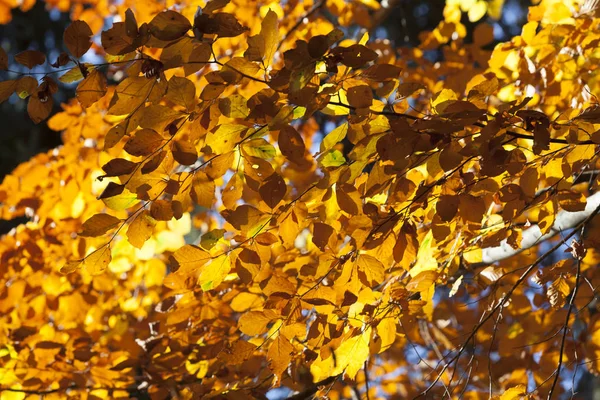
(249, 197)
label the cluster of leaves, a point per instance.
(260, 202)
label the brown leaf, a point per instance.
(221, 24)
(116, 41)
(119, 166)
(198, 58)
(360, 96)
(111, 190)
(98, 225)
(447, 207)
(154, 162)
(321, 234)
(381, 72)
(291, 144)
(169, 25)
(77, 38)
(273, 190)
(7, 88)
(214, 5)
(143, 142)
(30, 58)
(3, 60)
(161, 210)
(39, 106)
(184, 152)
(114, 136)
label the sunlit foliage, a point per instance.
(252, 196)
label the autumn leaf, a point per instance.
(77, 38)
(143, 142)
(169, 25)
(140, 229)
(30, 58)
(91, 89)
(279, 356)
(189, 257)
(99, 224)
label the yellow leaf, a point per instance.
(97, 261)
(515, 393)
(214, 273)
(422, 282)
(333, 158)
(386, 329)
(349, 357)
(373, 269)
(189, 258)
(255, 323)
(140, 229)
(121, 201)
(182, 92)
(425, 259)
(477, 11)
(334, 137)
(130, 94)
(270, 32)
(442, 99)
(279, 356)
(245, 218)
(225, 137)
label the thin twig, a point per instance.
(566, 329)
(507, 297)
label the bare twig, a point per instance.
(566, 329)
(506, 298)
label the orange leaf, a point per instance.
(91, 89)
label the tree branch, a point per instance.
(311, 390)
(533, 236)
(500, 304)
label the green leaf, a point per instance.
(260, 148)
(334, 158)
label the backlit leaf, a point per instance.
(143, 142)
(91, 89)
(30, 58)
(169, 25)
(77, 38)
(140, 229)
(99, 224)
